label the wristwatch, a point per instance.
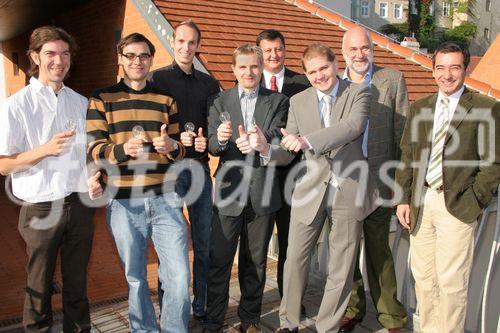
(176, 146)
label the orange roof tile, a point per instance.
(488, 68)
(226, 24)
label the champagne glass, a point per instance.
(189, 127)
(225, 117)
(71, 125)
(139, 133)
(252, 125)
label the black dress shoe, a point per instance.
(348, 324)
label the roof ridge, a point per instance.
(385, 43)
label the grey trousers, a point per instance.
(343, 239)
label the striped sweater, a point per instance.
(111, 115)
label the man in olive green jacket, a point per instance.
(451, 169)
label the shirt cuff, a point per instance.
(309, 147)
(264, 160)
(223, 144)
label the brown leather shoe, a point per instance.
(395, 330)
(348, 324)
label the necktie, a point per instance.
(274, 86)
(326, 109)
(435, 169)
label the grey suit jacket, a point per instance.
(239, 177)
(340, 143)
(388, 109)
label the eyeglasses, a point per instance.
(133, 56)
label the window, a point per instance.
(486, 34)
(446, 8)
(488, 5)
(383, 9)
(15, 63)
(398, 11)
(365, 9)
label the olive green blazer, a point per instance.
(471, 156)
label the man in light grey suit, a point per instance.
(326, 122)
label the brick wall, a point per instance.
(17, 45)
(96, 26)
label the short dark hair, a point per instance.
(315, 50)
(451, 47)
(46, 34)
(269, 34)
(190, 23)
(134, 38)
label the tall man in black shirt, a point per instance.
(190, 88)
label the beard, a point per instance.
(359, 68)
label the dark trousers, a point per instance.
(254, 233)
(380, 271)
(283, 219)
(47, 228)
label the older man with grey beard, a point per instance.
(388, 108)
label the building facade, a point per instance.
(376, 13)
(485, 16)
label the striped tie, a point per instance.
(435, 170)
(326, 110)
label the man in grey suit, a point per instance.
(326, 122)
(246, 193)
(388, 108)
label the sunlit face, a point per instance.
(357, 52)
(136, 61)
(449, 72)
(247, 70)
(274, 55)
(185, 44)
(54, 61)
(321, 73)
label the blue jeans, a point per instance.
(200, 216)
(159, 218)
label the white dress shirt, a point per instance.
(30, 118)
(280, 78)
(438, 110)
(452, 106)
(333, 93)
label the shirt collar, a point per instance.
(333, 93)
(251, 94)
(35, 83)
(181, 73)
(453, 97)
(367, 79)
(279, 75)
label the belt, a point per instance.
(440, 188)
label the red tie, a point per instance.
(274, 86)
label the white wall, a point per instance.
(342, 7)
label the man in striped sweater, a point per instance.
(133, 130)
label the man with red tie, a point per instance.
(277, 77)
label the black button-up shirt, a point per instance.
(190, 92)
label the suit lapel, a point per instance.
(340, 100)
(429, 123)
(235, 110)
(262, 107)
(286, 82)
(463, 108)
